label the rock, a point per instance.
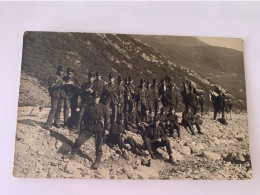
(240, 137)
(145, 162)
(72, 167)
(185, 150)
(147, 172)
(239, 158)
(177, 156)
(211, 155)
(216, 141)
(40, 152)
(104, 172)
(198, 148)
(58, 144)
(156, 165)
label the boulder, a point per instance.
(211, 155)
(198, 148)
(216, 141)
(147, 172)
(156, 165)
(240, 137)
(185, 150)
(104, 172)
(177, 156)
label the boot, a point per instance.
(97, 163)
(171, 159)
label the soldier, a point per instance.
(99, 84)
(220, 105)
(131, 119)
(57, 94)
(150, 96)
(154, 138)
(172, 123)
(193, 101)
(118, 136)
(121, 88)
(141, 98)
(71, 89)
(172, 97)
(96, 122)
(188, 120)
(129, 94)
(201, 102)
(157, 101)
(147, 118)
(111, 96)
(86, 92)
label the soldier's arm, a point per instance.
(106, 117)
(54, 83)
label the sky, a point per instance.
(233, 43)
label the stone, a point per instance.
(240, 137)
(211, 155)
(104, 172)
(185, 150)
(198, 148)
(58, 144)
(145, 162)
(148, 172)
(216, 141)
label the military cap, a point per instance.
(98, 74)
(69, 70)
(91, 74)
(111, 75)
(60, 68)
(130, 78)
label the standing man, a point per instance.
(121, 88)
(71, 89)
(129, 94)
(141, 98)
(111, 96)
(201, 102)
(99, 84)
(220, 105)
(96, 122)
(172, 97)
(57, 94)
(86, 92)
(149, 96)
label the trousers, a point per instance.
(56, 106)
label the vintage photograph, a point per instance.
(119, 106)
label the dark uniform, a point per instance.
(155, 138)
(71, 89)
(96, 121)
(121, 95)
(129, 95)
(58, 95)
(157, 101)
(99, 84)
(201, 102)
(150, 97)
(131, 120)
(188, 120)
(193, 102)
(141, 98)
(171, 124)
(87, 91)
(172, 97)
(111, 97)
(220, 105)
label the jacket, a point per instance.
(56, 87)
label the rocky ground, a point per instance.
(222, 152)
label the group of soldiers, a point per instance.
(107, 110)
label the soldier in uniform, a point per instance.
(201, 102)
(57, 94)
(172, 123)
(86, 92)
(121, 88)
(131, 119)
(99, 84)
(149, 96)
(193, 101)
(111, 96)
(172, 97)
(129, 94)
(96, 122)
(220, 105)
(71, 89)
(188, 120)
(154, 138)
(157, 101)
(141, 97)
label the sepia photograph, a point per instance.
(125, 106)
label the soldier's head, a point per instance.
(142, 82)
(121, 118)
(91, 77)
(120, 80)
(60, 70)
(70, 72)
(111, 77)
(149, 83)
(97, 97)
(130, 79)
(98, 76)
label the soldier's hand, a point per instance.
(106, 132)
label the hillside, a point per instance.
(122, 54)
(219, 65)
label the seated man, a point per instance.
(188, 120)
(172, 123)
(118, 136)
(154, 138)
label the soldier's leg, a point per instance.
(187, 124)
(54, 106)
(82, 138)
(177, 127)
(166, 143)
(136, 148)
(66, 110)
(114, 113)
(73, 105)
(148, 145)
(99, 139)
(120, 142)
(223, 113)
(58, 112)
(198, 127)
(81, 113)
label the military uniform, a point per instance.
(121, 95)
(157, 101)
(188, 120)
(57, 93)
(96, 121)
(171, 124)
(71, 89)
(129, 95)
(155, 138)
(99, 84)
(220, 105)
(150, 97)
(173, 98)
(193, 102)
(141, 98)
(87, 92)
